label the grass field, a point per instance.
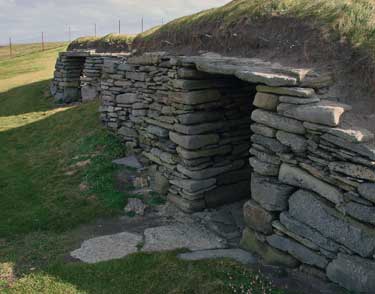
(56, 174)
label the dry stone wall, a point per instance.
(221, 129)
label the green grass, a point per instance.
(56, 174)
(108, 41)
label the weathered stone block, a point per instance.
(199, 117)
(264, 168)
(269, 143)
(292, 91)
(192, 186)
(128, 132)
(355, 135)
(266, 101)
(195, 97)
(332, 224)
(278, 122)
(270, 255)
(297, 100)
(270, 193)
(257, 75)
(353, 273)
(295, 249)
(367, 191)
(297, 143)
(263, 130)
(257, 218)
(325, 112)
(187, 205)
(353, 170)
(157, 131)
(127, 98)
(193, 142)
(297, 177)
(186, 154)
(136, 76)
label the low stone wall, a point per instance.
(310, 178)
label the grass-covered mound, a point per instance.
(108, 43)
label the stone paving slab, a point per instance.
(108, 247)
(239, 255)
(130, 161)
(191, 236)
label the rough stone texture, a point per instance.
(266, 101)
(361, 212)
(353, 273)
(108, 247)
(367, 191)
(331, 224)
(325, 113)
(135, 205)
(295, 91)
(89, 93)
(297, 143)
(264, 168)
(257, 218)
(269, 254)
(270, 193)
(193, 142)
(263, 130)
(238, 255)
(300, 252)
(277, 122)
(355, 135)
(353, 170)
(129, 161)
(190, 236)
(227, 194)
(298, 178)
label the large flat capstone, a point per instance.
(191, 236)
(108, 247)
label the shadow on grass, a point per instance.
(33, 97)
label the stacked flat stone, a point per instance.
(91, 76)
(194, 126)
(312, 185)
(65, 87)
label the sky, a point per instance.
(25, 20)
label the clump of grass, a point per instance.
(109, 42)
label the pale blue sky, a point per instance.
(24, 20)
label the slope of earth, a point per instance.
(56, 174)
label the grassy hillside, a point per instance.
(108, 43)
(56, 174)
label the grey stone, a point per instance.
(269, 143)
(128, 132)
(108, 247)
(367, 191)
(234, 176)
(227, 194)
(127, 98)
(263, 130)
(298, 100)
(195, 97)
(265, 157)
(199, 117)
(135, 205)
(261, 75)
(198, 129)
(295, 249)
(362, 149)
(353, 170)
(360, 212)
(325, 112)
(187, 205)
(307, 232)
(193, 186)
(297, 143)
(89, 93)
(264, 168)
(297, 177)
(238, 255)
(355, 135)
(257, 217)
(191, 236)
(136, 76)
(193, 142)
(129, 161)
(292, 91)
(186, 154)
(157, 131)
(277, 122)
(160, 183)
(266, 101)
(330, 223)
(270, 255)
(270, 193)
(353, 273)
(209, 172)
